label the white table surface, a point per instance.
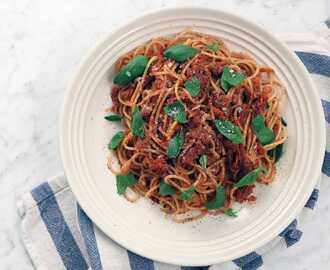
(41, 41)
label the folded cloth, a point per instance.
(59, 235)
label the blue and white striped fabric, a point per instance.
(59, 235)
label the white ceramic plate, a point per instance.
(142, 227)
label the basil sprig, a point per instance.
(214, 47)
(177, 111)
(193, 86)
(264, 134)
(125, 181)
(116, 140)
(230, 212)
(133, 69)
(230, 78)
(203, 161)
(218, 200)
(174, 145)
(229, 130)
(277, 152)
(166, 189)
(113, 117)
(180, 52)
(249, 178)
(258, 123)
(186, 194)
(137, 124)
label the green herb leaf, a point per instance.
(124, 181)
(248, 179)
(214, 47)
(116, 140)
(284, 123)
(121, 184)
(258, 123)
(186, 194)
(177, 111)
(174, 145)
(166, 189)
(230, 212)
(219, 199)
(137, 124)
(264, 134)
(278, 152)
(229, 130)
(131, 70)
(230, 78)
(113, 117)
(225, 86)
(203, 161)
(193, 86)
(180, 52)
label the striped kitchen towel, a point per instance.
(59, 235)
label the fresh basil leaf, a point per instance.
(180, 52)
(230, 78)
(193, 86)
(133, 69)
(186, 194)
(258, 123)
(203, 161)
(271, 152)
(174, 145)
(137, 124)
(113, 117)
(219, 200)
(277, 152)
(284, 123)
(225, 86)
(214, 47)
(177, 111)
(166, 189)
(121, 184)
(124, 181)
(229, 130)
(116, 140)
(230, 212)
(264, 134)
(248, 179)
(131, 179)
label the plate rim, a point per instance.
(94, 49)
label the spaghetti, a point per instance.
(201, 125)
